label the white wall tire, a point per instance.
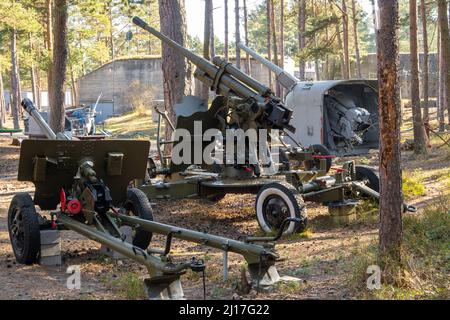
(277, 201)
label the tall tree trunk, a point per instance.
(34, 85)
(206, 44)
(226, 31)
(176, 71)
(73, 86)
(247, 56)
(356, 40)
(301, 37)
(445, 51)
(423, 13)
(238, 33)
(282, 37)
(269, 40)
(327, 57)
(345, 40)
(2, 101)
(390, 231)
(274, 42)
(212, 41)
(374, 17)
(111, 31)
(15, 93)
(420, 143)
(441, 81)
(316, 60)
(49, 44)
(57, 97)
(339, 38)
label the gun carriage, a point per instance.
(292, 175)
(84, 186)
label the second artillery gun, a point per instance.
(282, 183)
(84, 186)
(340, 114)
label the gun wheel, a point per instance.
(23, 227)
(137, 204)
(370, 175)
(277, 201)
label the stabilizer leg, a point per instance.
(167, 287)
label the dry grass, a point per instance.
(425, 262)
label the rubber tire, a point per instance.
(291, 197)
(137, 202)
(322, 150)
(369, 173)
(32, 235)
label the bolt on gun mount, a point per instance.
(85, 186)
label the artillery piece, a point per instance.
(84, 184)
(340, 114)
(282, 183)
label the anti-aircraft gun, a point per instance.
(340, 114)
(281, 185)
(84, 185)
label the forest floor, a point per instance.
(320, 257)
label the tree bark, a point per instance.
(247, 56)
(176, 71)
(57, 97)
(274, 42)
(15, 92)
(425, 71)
(390, 231)
(34, 85)
(441, 81)
(340, 48)
(226, 31)
(345, 40)
(212, 41)
(238, 33)
(301, 37)
(2, 101)
(445, 52)
(356, 40)
(73, 86)
(269, 40)
(49, 44)
(111, 31)
(316, 60)
(207, 44)
(282, 39)
(420, 143)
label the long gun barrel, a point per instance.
(210, 74)
(228, 80)
(285, 79)
(29, 107)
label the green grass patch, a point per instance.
(367, 211)
(130, 286)
(413, 185)
(425, 260)
(288, 287)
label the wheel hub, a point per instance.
(17, 230)
(275, 211)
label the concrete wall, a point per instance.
(114, 79)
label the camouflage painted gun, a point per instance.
(84, 184)
(303, 173)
